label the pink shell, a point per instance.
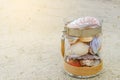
(83, 22)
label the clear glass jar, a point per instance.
(81, 49)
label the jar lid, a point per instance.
(83, 27)
(87, 32)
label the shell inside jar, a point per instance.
(87, 60)
(79, 48)
(84, 49)
(84, 22)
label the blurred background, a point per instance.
(30, 33)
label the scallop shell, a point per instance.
(95, 45)
(84, 22)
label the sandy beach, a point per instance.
(30, 33)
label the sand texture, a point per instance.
(30, 32)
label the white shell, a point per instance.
(79, 48)
(90, 62)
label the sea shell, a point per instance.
(89, 57)
(89, 63)
(95, 45)
(72, 40)
(84, 22)
(86, 39)
(84, 60)
(79, 48)
(73, 56)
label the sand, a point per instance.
(30, 32)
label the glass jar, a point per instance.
(81, 46)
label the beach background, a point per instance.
(30, 33)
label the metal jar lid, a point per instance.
(86, 32)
